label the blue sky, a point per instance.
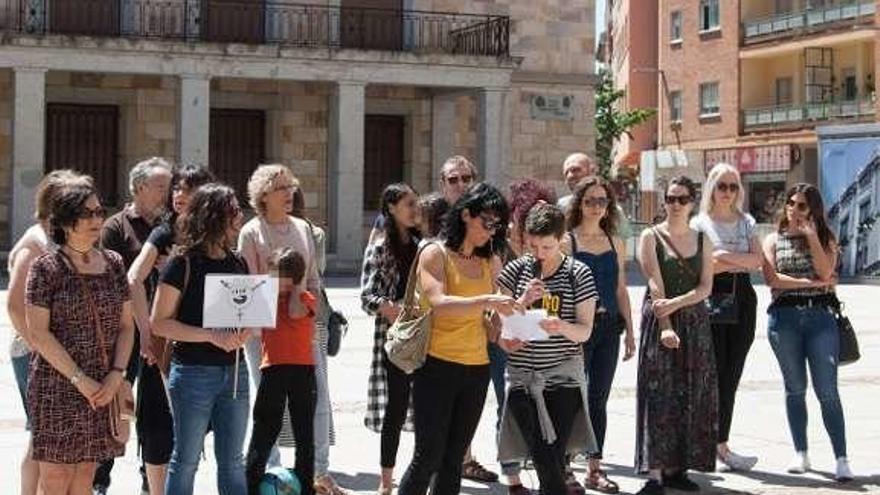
(600, 18)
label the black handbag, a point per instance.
(337, 327)
(722, 304)
(849, 345)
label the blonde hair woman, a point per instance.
(736, 253)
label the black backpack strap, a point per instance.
(574, 242)
(610, 242)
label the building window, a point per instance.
(675, 26)
(709, 100)
(783, 91)
(237, 145)
(675, 106)
(709, 15)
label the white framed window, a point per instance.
(710, 105)
(710, 15)
(675, 106)
(675, 33)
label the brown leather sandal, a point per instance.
(598, 480)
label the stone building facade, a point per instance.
(349, 97)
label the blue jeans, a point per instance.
(21, 366)
(199, 395)
(323, 409)
(801, 337)
(601, 353)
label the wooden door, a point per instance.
(85, 138)
(383, 156)
(372, 24)
(233, 21)
(237, 145)
(85, 17)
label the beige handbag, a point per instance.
(409, 335)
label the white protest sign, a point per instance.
(240, 301)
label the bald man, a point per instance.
(577, 167)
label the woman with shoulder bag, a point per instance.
(387, 263)
(456, 279)
(799, 266)
(80, 323)
(677, 390)
(733, 303)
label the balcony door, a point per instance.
(85, 17)
(372, 24)
(233, 21)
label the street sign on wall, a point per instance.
(551, 107)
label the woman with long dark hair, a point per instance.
(384, 276)
(677, 392)
(800, 261)
(457, 279)
(154, 423)
(79, 322)
(593, 240)
(737, 251)
(203, 360)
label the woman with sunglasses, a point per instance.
(593, 240)
(677, 392)
(799, 266)
(457, 280)
(79, 321)
(203, 360)
(733, 303)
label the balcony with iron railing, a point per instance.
(268, 22)
(808, 21)
(805, 115)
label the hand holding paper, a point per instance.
(525, 327)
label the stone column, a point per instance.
(442, 134)
(28, 143)
(346, 177)
(195, 119)
(490, 149)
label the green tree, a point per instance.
(611, 123)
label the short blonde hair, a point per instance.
(707, 202)
(262, 182)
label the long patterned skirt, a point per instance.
(677, 411)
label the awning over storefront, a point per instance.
(755, 159)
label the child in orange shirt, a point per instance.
(288, 370)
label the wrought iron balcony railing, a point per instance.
(269, 22)
(813, 19)
(803, 114)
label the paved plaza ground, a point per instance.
(759, 428)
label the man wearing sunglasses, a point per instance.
(457, 175)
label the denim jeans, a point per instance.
(199, 395)
(601, 353)
(323, 411)
(801, 337)
(20, 366)
(253, 352)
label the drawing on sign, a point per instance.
(240, 301)
(241, 293)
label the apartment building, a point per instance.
(352, 94)
(749, 81)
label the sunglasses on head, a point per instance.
(800, 205)
(489, 223)
(87, 213)
(725, 187)
(465, 179)
(594, 202)
(682, 200)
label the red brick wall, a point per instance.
(700, 58)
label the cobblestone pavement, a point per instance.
(759, 428)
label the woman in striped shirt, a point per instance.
(546, 414)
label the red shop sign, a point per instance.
(752, 159)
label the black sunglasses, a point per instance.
(800, 205)
(600, 202)
(724, 187)
(490, 224)
(465, 179)
(87, 213)
(682, 200)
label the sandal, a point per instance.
(326, 485)
(473, 470)
(598, 480)
(573, 485)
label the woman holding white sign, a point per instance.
(203, 361)
(546, 413)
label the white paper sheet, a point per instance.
(524, 327)
(240, 301)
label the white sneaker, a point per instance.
(843, 473)
(736, 462)
(800, 464)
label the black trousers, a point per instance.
(601, 353)
(732, 343)
(399, 385)
(448, 400)
(550, 462)
(155, 427)
(295, 385)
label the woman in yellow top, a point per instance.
(457, 279)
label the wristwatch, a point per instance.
(76, 376)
